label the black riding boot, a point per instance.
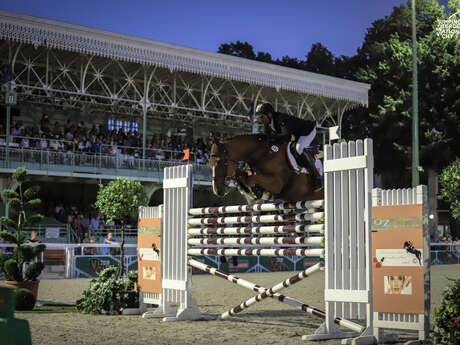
(308, 161)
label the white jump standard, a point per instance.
(345, 235)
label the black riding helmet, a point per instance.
(264, 109)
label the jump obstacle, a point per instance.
(343, 227)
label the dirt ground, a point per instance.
(268, 322)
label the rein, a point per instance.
(222, 154)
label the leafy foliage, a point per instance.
(11, 270)
(21, 204)
(119, 200)
(450, 186)
(34, 270)
(447, 317)
(108, 294)
(385, 62)
(25, 299)
(319, 59)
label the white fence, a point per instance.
(67, 268)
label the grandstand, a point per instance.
(83, 106)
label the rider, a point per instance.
(281, 126)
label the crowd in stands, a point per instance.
(84, 223)
(452, 241)
(78, 138)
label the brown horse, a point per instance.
(267, 175)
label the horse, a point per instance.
(267, 174)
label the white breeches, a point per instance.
(305, 141)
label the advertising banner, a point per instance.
(148, 252)
(87, 266)
(398, 268)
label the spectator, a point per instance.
(54, 143)
(108, 240)
(87, 239)
(44, 123)
(94, 222)
(17, 131)
(58, 209)
(33, 238)
(68, 134)
(84, 222)
(92, 250)
(160, 155)
(25, 143)
(77, 228)
(56, 131)
(61, 216)
(44, 142)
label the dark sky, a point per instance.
(278, 27)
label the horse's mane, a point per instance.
(243, 135)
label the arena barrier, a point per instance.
(343, 227)
(399, 216)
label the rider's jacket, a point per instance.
(283, 126)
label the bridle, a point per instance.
(221, 155)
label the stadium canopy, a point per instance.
(58, 63)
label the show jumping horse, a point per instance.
(268, 174)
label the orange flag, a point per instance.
(186, 155)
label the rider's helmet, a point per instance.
(264, 109)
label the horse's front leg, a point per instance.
(240, 181)
(265, 187)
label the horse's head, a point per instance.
(223, 168)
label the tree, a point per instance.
(119, 200)
(450, 186)
(385, 61)
(320, 60)
(22, 206)
(240, 49)
(287, 61)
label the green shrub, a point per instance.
(22, 213)
(447, 317)
(106, 295)
(132, 281)
(25, 299)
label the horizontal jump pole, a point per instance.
(299, 205)
(317, 216)
(256, 252)
(267, 230)
(257, 240)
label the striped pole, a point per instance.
(285, 299)
(299, 205)
(256, 252)
(270, 292)
(257, 240)
(267, 230)
(317, 216)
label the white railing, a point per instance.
(72, 252)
